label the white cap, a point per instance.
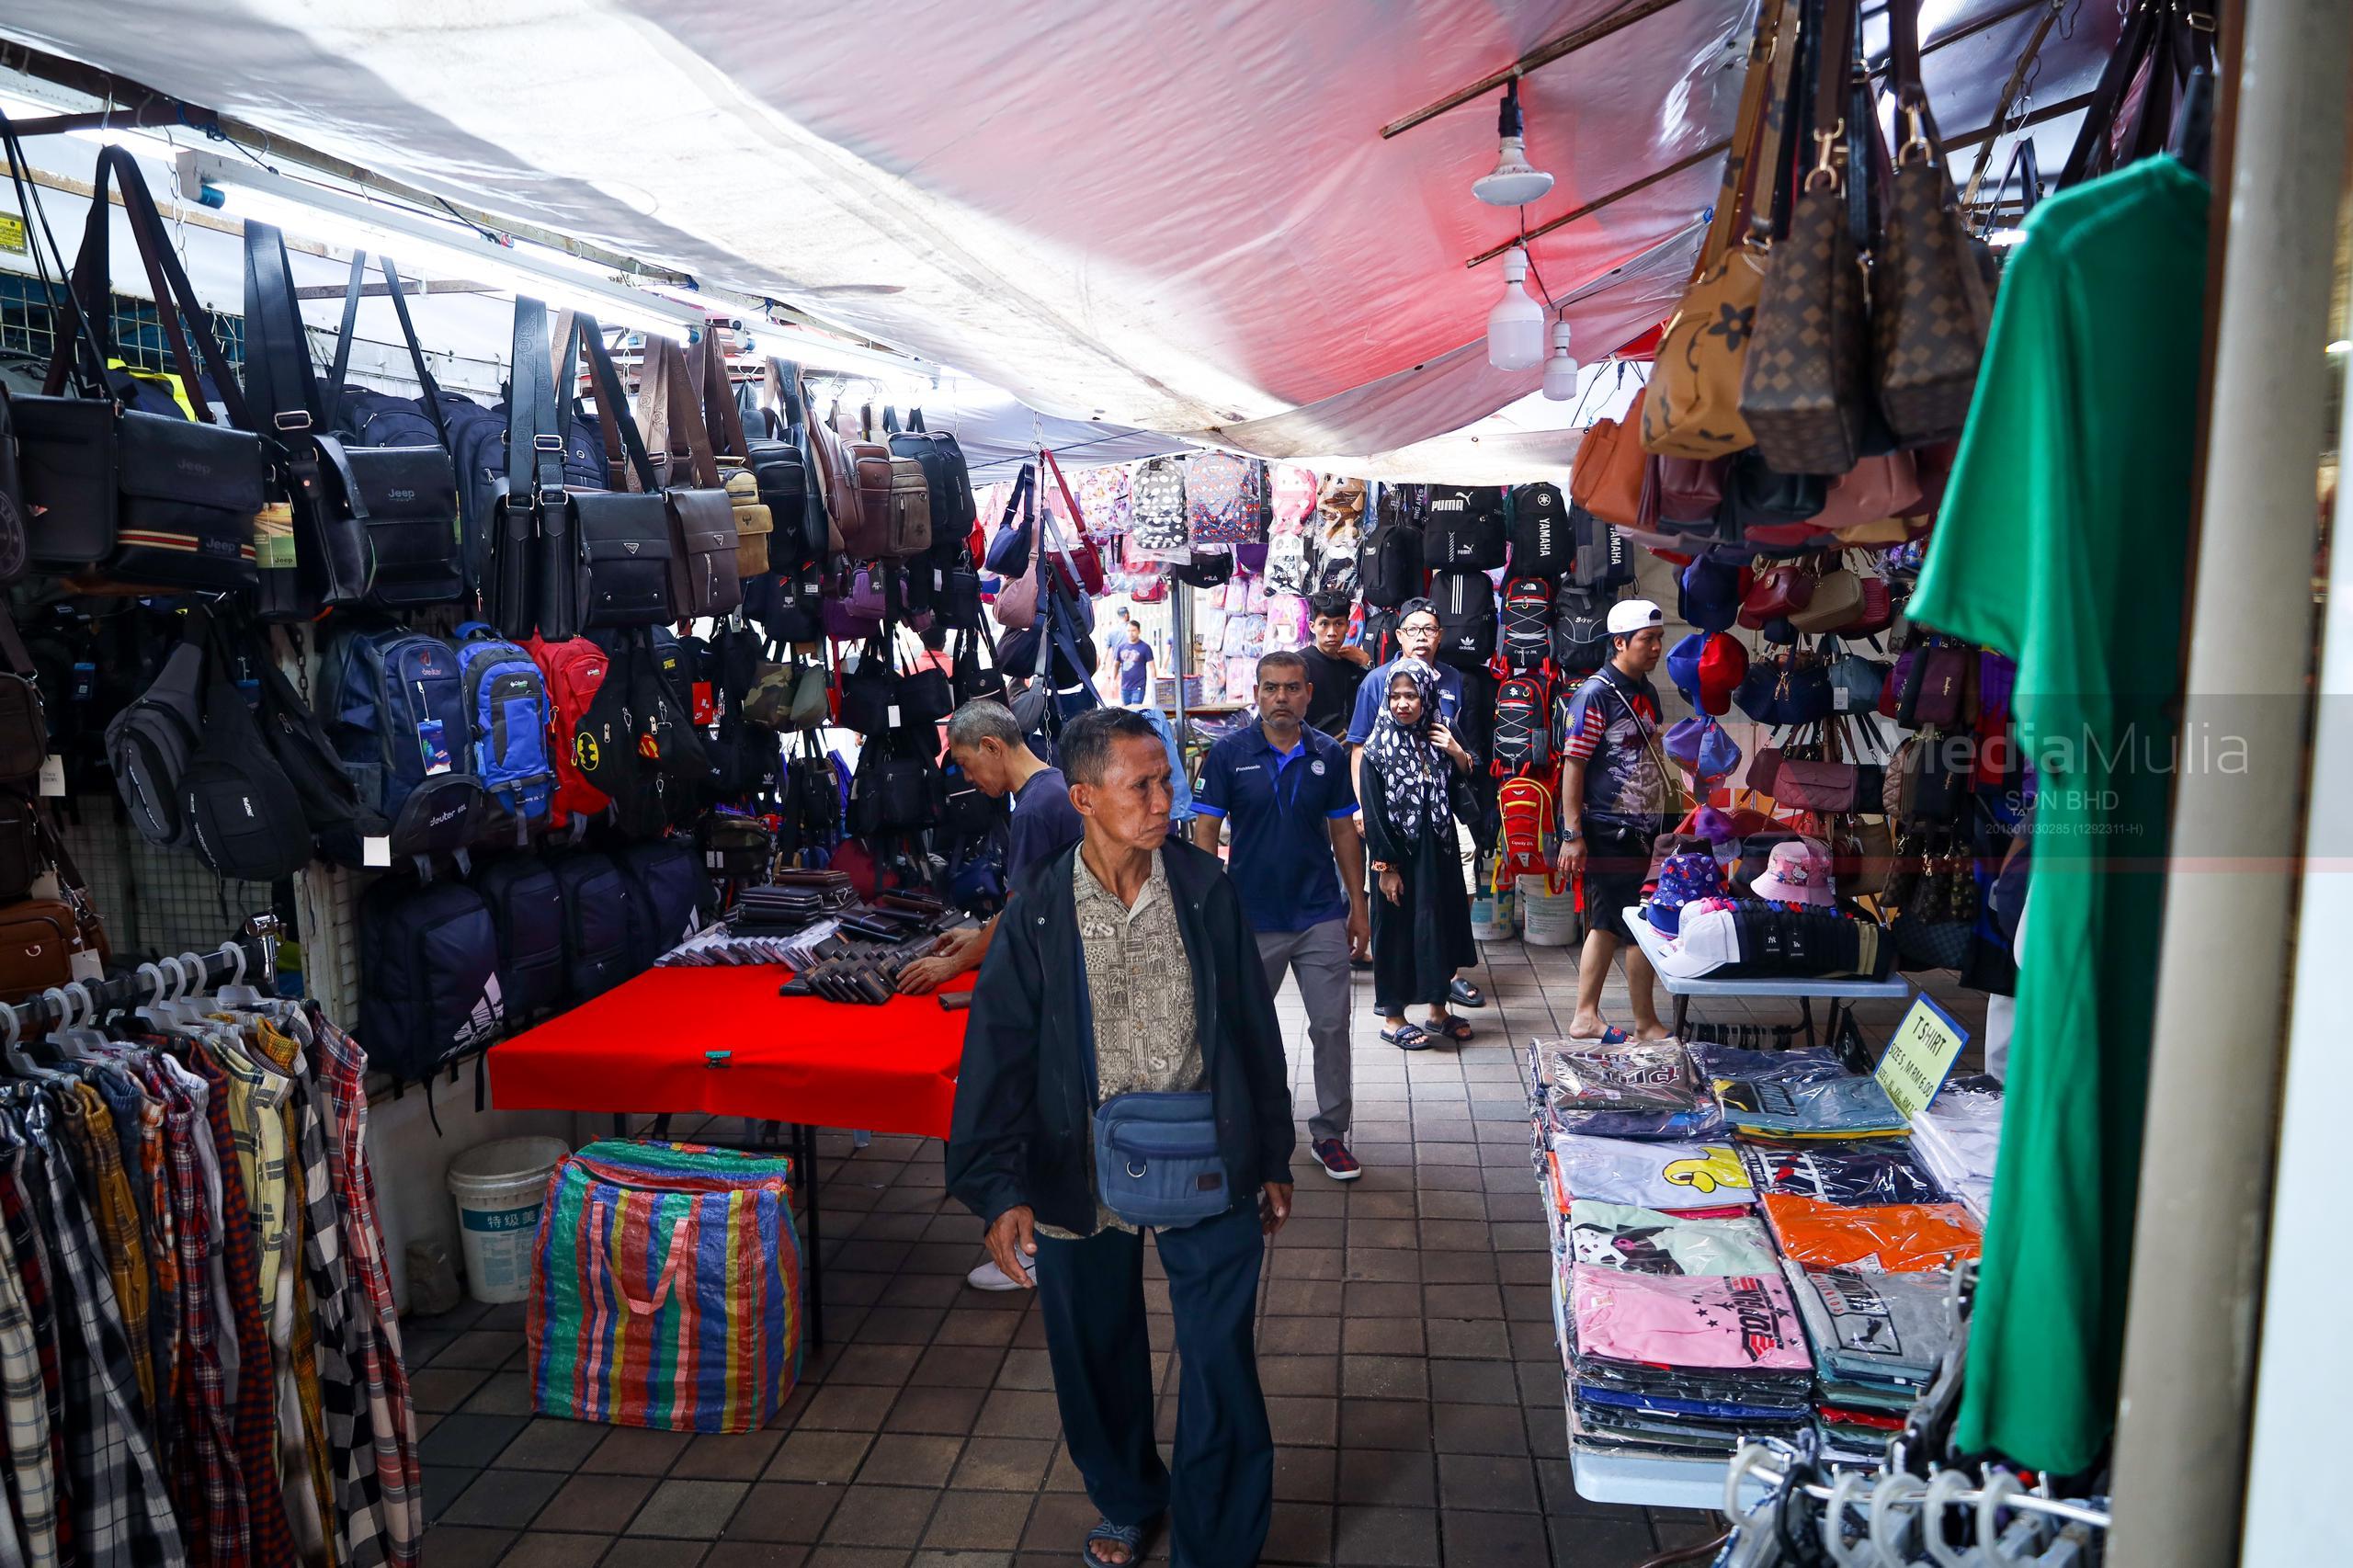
(1634, 615)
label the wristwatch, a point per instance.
(1570, 835)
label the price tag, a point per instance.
(1920, 1057)
(1838, 698)
(52, 777)
(89, 966)
(375, 850)
(894, 715)
(44, 887)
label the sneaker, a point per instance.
(1337, 1163)
(989, 1277)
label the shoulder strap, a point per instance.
(612, 403)
(1742, 158)
(721, 417)
(277, 360)
(534, 448)
(914, 421)
(344, 333)
(671, 398)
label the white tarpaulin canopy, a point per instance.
(1180, 217)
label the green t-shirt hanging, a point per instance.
(2064, 541)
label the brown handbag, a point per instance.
(1805, 388)
(733, 451)
(1837, 600)
(837, 475)
(1690, 489)
(1929, 306)
(866, 531)
(1606, 477)
(1874, 489)
(1826, 789)
(703, 580)
(1862, 858)
(1693, 409)
(1778, 592)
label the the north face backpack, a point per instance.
(1542, 542)
(596, 924)
(1522, 739)
(1580, 629)
(1157, 523)
(665, 889)
(1465, 602)
(506, 698)
(525, 905)
(1526, 622)
(430, 989)
(1465, 531)
(571, 672)
(1389, 563)
(397, 707)
(1220, 503)
(1525, 807)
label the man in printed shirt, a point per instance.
(1614, 794)
(1140, 936)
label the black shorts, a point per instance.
(1618, 862)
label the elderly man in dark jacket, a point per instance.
(1123, 967)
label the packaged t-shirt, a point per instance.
(1880, 1171)
(1651, 1175)
(1645, 1240)
(1875, 1325)
(1825, 1108)
(1896, 1237)
(1746, 1321)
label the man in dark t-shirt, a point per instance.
(1134, 658)
(1335, 669)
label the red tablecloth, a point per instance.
(642, 1048)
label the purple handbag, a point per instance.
(859, 613)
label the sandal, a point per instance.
(1610, 1035)
(1409, 1036)
(1451, 1027)
(1129, 1536)
(1462, 993)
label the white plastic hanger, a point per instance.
(235, 993)
(1896, 1509)
(151, 1012)
(1945, 1488)
(83, 1037)
(13, 1047)
(60, 1034)
(1846, 1493)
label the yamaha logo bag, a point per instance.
(1542, 542)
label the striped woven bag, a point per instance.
(665, 1287)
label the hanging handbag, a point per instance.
(1777, 593)
(1862, 855)
(1875, 489)
(1805, 387)
(1085, 563)
(1010, 546)
(145, 484)
(1826, 789)
(685, 470)
(1836, 599)
(622, 541)
(1769, 506)
(1609, 475)
(971, 680)
(1930, 305)
(1690, 492)
(723, 418)
(1692, 409)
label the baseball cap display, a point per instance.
(1634, 615)
(1707, 667)
(1797, 872)
(1702, 748)
(1691, 875)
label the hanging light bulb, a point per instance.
(1561, 366)
(1513, 183)
(1516, 326)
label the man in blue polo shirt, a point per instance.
(1299, 865)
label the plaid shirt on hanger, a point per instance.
(114, 1215)
(122, 1512)
(33, 1274)
(256, 1416)
(396, 1480)
(24, 1407)
(206, 1480)
(351, 1513)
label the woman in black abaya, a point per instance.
(1421, 919)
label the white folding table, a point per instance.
(1840, 993)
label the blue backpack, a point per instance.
(404, 726)
(507, 701)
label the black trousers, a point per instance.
(1218, 1489)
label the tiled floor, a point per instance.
(1405, 1344)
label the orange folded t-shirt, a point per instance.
(1898, 1238)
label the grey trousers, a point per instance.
(1319, 956)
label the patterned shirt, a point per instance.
(24, 1405)
(1140, 991)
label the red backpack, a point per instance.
(575, 670)
(1526, 804)
(1522, 735)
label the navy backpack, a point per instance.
(596, 924)
(430, 990)
(666, 888)
(525, 905)
(401, 719)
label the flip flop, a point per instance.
(1610, 1035)
(1454, 1028)
(1409, 1036)
(1129, 1536)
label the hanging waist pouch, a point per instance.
(1156, 1162)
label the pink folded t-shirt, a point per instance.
(1736, 1321)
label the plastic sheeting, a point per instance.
(1179, 217)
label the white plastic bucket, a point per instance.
(499, 1188)
(1547, 919)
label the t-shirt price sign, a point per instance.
(1920, 1057)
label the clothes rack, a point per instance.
(1746, 1468)
(249, 959)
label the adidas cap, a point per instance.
(1634, 615)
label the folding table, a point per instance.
(1840, 993)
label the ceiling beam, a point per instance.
(1543, 54)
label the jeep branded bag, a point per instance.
(143, 483)
(1465, 531)
(1526, 637)
(401, 719)
(402, 499)
(625, 541)
(429, 991)
(1542, 542)
(1465, 602)
(526, 905)
(682, 466)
